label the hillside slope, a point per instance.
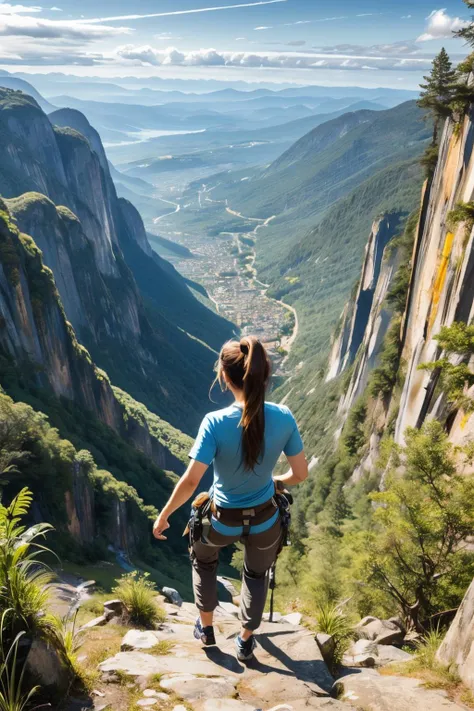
(319, 169)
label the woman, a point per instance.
(244, 442)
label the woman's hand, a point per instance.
(160, 525)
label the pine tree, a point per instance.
(438, 90)
(467, 33)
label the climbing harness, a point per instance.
(204, 508)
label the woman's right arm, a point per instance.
(298, 470)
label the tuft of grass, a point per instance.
(67, 638)
(138, 592)
(426, 649)
(154, 682)
(162, 648)
(124, 679)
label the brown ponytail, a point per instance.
(247, 366)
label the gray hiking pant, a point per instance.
(261, 550)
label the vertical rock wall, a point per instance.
(358, 323)
(442, 284)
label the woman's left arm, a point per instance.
(183, 491)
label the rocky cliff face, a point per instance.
(440, 293)
(35, 334)
(61, 193)
(458, 646)
(442, 283)
(364, 320)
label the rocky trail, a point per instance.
(170, 671)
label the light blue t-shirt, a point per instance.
(219, 441)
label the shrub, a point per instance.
(455, 380)
(24, 579)
(333, 621)
(138, 593)
(67, 638)
(416, 554)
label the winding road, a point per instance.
(176, 205)
(286, 342)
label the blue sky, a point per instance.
(365, 42)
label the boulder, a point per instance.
(458, 646)
(366, 653)
(96, 622)
(44, 666)
(312, 703)
(399, 622)
(388, 654)
(225, 705)
(380, 631)
(115, 606)
(390, 637)
(366, 620)
(146, 703)
(293, 618)
(362, 653)
(192, 688)
(153, 694)
(276, 616)
(327, 646)
(139, 639)
(139, 664)
(371, 691)
(173, 596)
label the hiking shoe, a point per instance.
(245, 649)
(204, 634)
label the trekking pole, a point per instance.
(272, 585)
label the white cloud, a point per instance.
(183, 12)
(56, 9)
(298, 22)
(240, 39)
(332, 19)
(24, 26)
(263, 27)
(406, 17)
(408, 47)
(44, 53)
(7, 9)
(296, 43)
(441, 25)
(147, 55)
